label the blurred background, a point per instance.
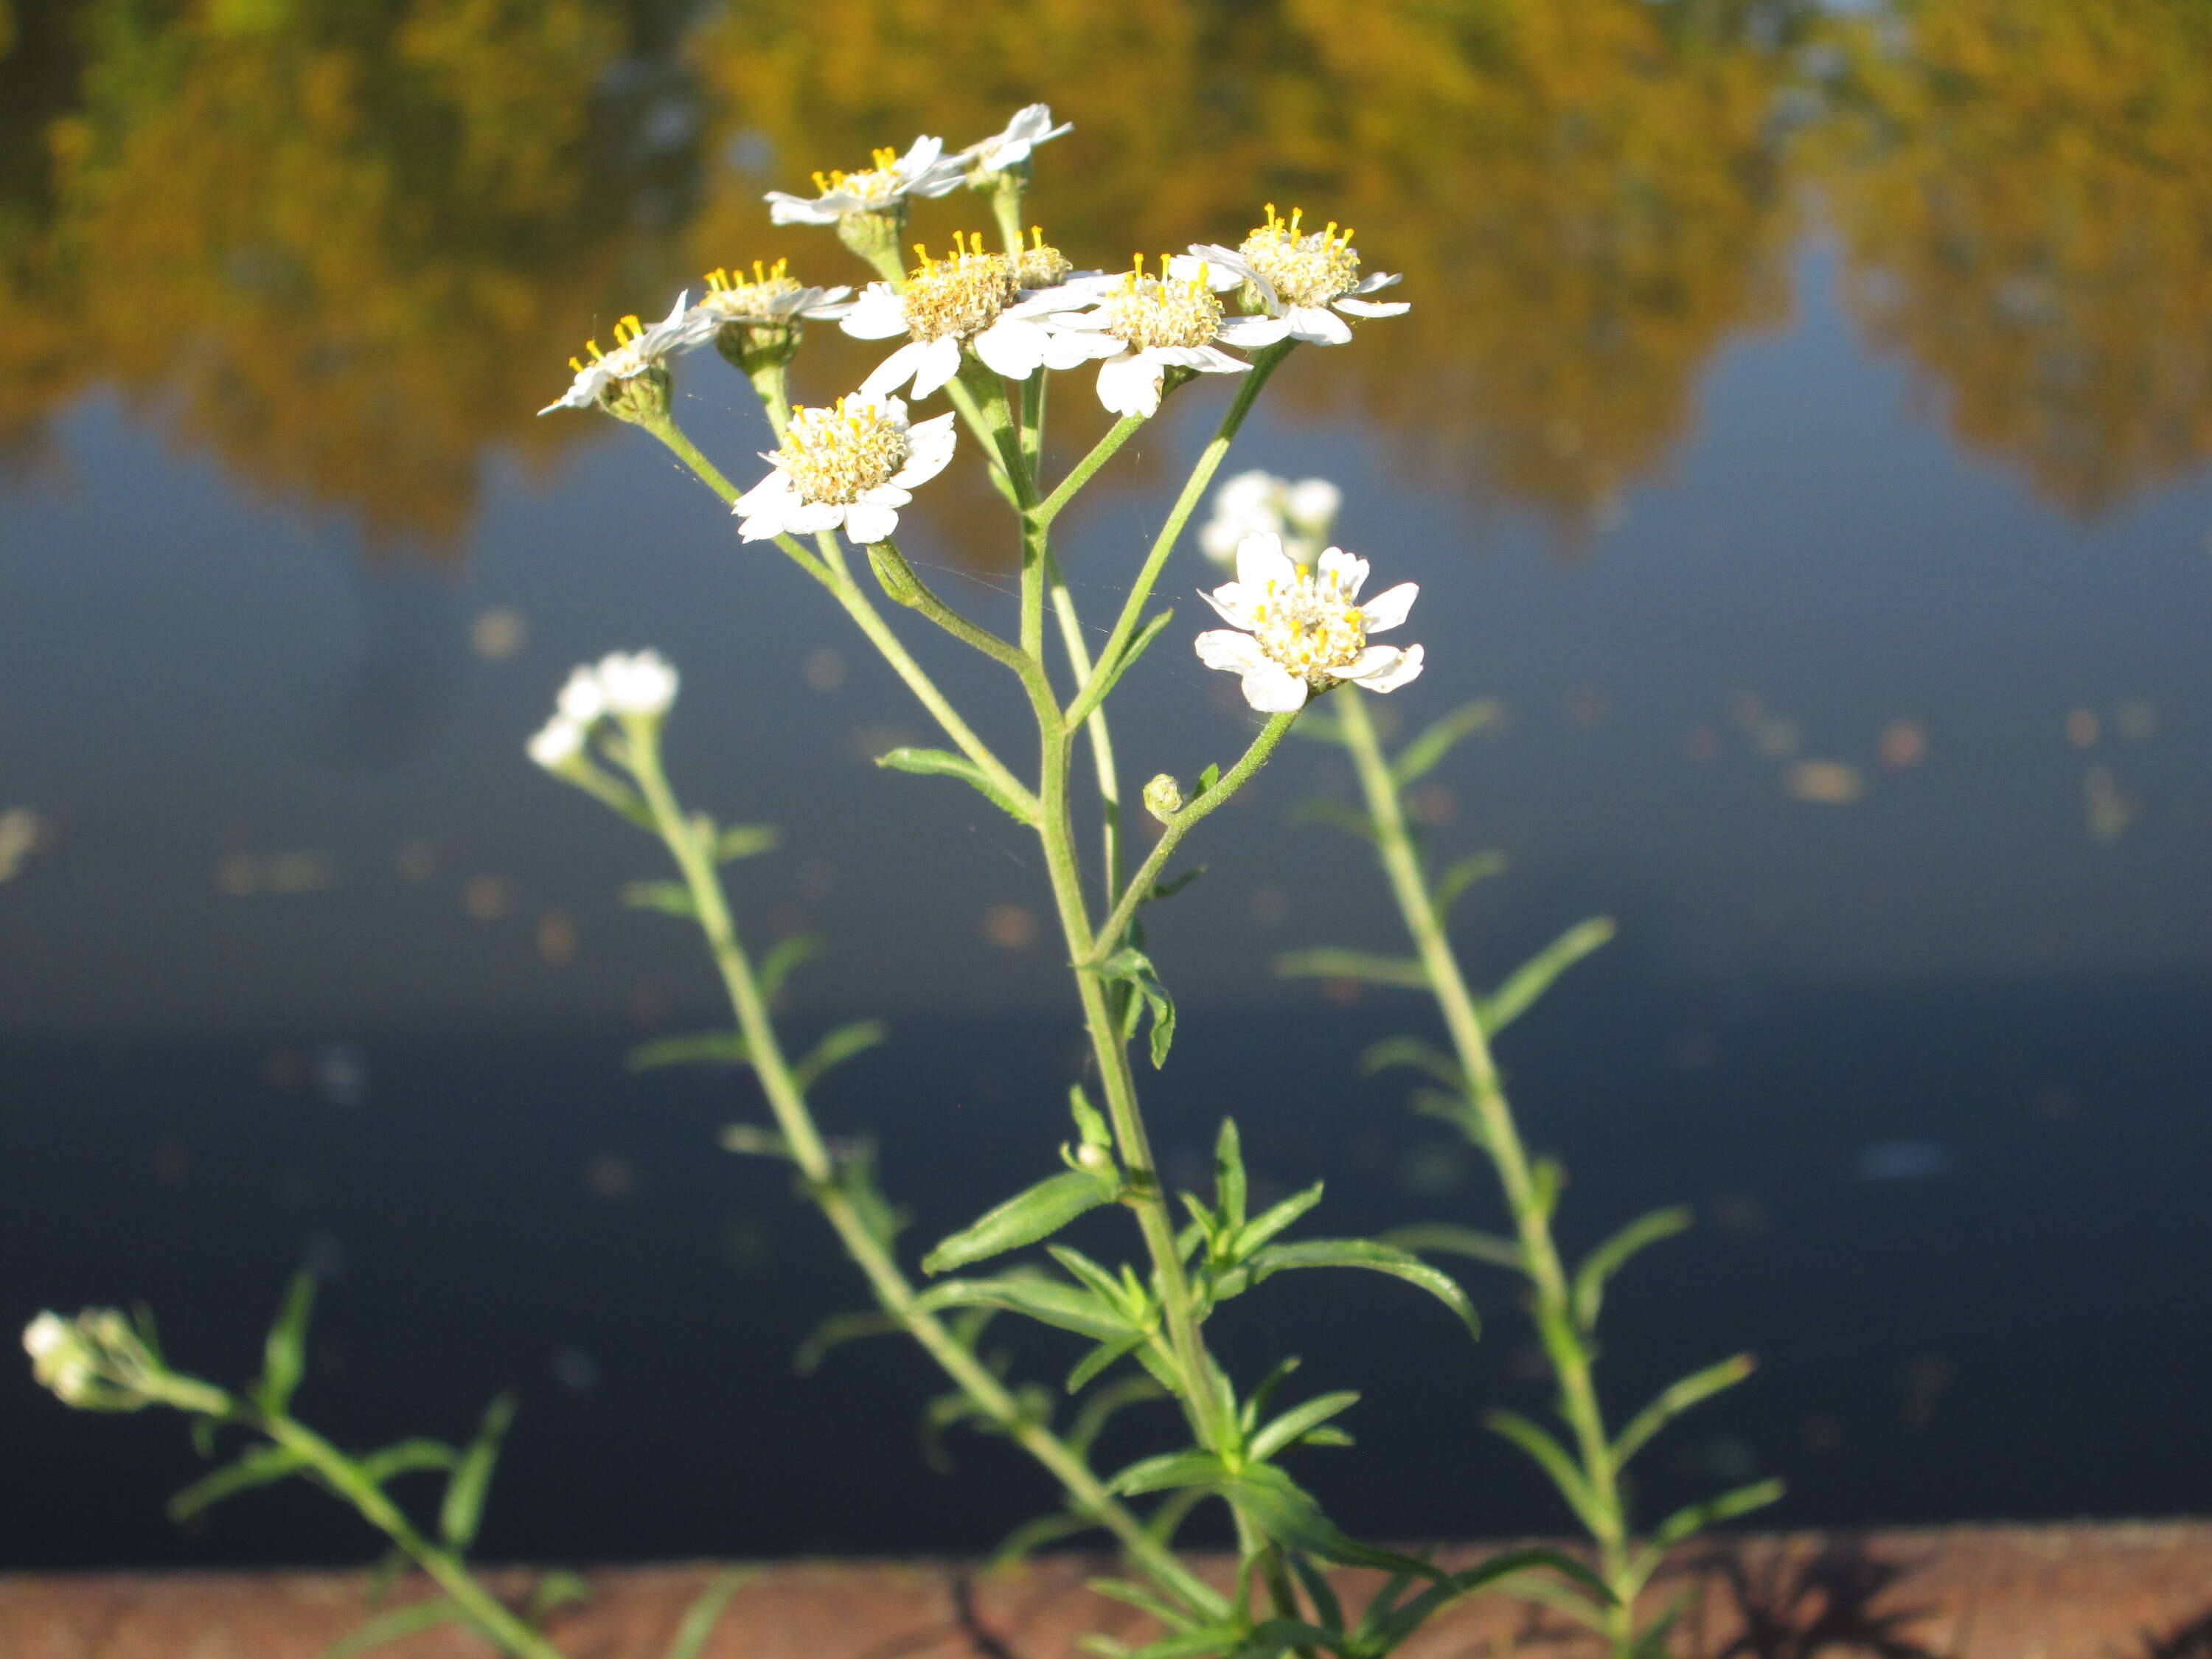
(1802, 430)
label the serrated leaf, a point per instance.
(1412, 1053)
(405, 1456)
(1448, 1238)
(690, 1048)
(262, 1467)
(1326, 962)
(744, 840)
(1553, 1459)
(836, 1048)
(1418, 759)
(942, 763)
(1090, 1124)
(462, 1511)
(1610, 1256)
(671, 898)
(284, 1350)
(1272, 1219)
(1166, 1473)
(1068, 1307)
(1038, 1213)
(701, 1617)
(1292, 1425)
(785, 955)
(398, 1623)
(835, 1331)
(1677, 1398)
(1534, 977)
(1461, 874)
(1375, 1258)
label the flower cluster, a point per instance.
(1256, 502)
(1301, 632)
(97, 1361)
(972, 300)
(624, 686)
(850, 467)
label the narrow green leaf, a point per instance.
(1228, 1174)
(742, 841)
(1165, 1472)
(1320, 1592)
(1209, 777)
(1174, 885)
(1038, 1213)
(701, 1617)
(1090, 1123)
(1609, 1257)
(1066, 1306)
(1033, 1536)
(1100, 1408)
(1563, 1599)
(1418, 759)
(1486, 1575)
(1534, 977)
(1677, 1398)
(1133, 965)
(1271, 1637)
(1167, 1519)
(1272, 1220)
(1547, 1178)
(1448, 1238)
(1333, 813)
(690, 1048)
(261, 1467)
(1262, 1396)
(754, 1140)
(835, 1331)
(1327, 1435)
(1553, 1458)
(1461, 874)
(836, 1048)
(556, 1588)
(401, 1622)
(1288, 1429)
(405, 1456)
(783, 957)
(1326, 962)
(1135, 648)
(462, 1513)
(1376, 1258)
(1287, 1513)
(1195, 1644)
(945, 763)
(1088, 1368)
(284, 1350)
(1696, 1518)
(669, 897)
(1419, 1056)
(202, 1435)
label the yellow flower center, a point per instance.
(1306, 268)
(1158, 311)
(960, 295)
(625, 359)
(736, 299)
(1038, 265)
(876, 186)
(1310, 626)
(837, 455)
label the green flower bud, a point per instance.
(1163, 798)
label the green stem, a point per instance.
(894, 1293)
(665, 429)
(1101, 453)
(343, 1476)
(1110, 933)
(1499, 1135)
(1209, 460)
(903, 585)
(1094, 726)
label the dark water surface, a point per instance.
(1800, 428)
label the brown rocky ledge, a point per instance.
(2126, 1590)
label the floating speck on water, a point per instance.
(1010, 926)
(1826, 782)
(340, 1075)
(21, 832)
(612, 1176)
(1904, 1160)
(498, 634)
(1268, 907)
(2136, 721)
(823, 669)
(1904, 743)
(556, 938)
(2108, 809)
(575, 1370)
(486, 898)
(2084, 728)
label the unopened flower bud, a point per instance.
(1097, 1159)
(1311, 505)
(876, 234)
(1163, 798)
(582, 700)
(557, 743)
(641, 684)
(642, 398)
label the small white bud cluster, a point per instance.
(627, 685)
(96, 1361)
(1253, 503)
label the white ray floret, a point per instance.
(1294, 632)
(971, 299)
(924, 170)
(1010, 148)
(1141, 326)
(849, 467)
(1297, 280)
(637, 348)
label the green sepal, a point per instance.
(1610, 1256)
(1418, 759)
(669, 897)
(284, 1350)
(836, 1330)
(1038, 1213)
(836, 1048)
(943, 763)
(1534, 977)
(1676, 1398)
(744, 840)
(1090, 1123)
(263, 1465)
(462, 1511)
(1326, 962)
(690, 1048)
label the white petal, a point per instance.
(940, 361)
(1235, 602)
(1319, 324)
(1313, 504)
(784, 209)
(1385, 667)
(1378, 280)
(920, 156)
(870, 521)
(933, 443)
(769, 497)
(1372, 309)
(1348, 569)
(1013, 347)
(1261, 561)
(1388, 608)
(1069, 348)
(1229, 651)
(896, 370)
(1224, 269)
(1213, 362)
(1130, 385)
(811, 518)
(1274, 689)
(1247, 332)
(878, 314)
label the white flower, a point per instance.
(582, 699)
(45, 1335)
(559, 741)
(1142, 326)
(1030, 127)
(924, 170)
(972, 298)
(772, 298)
(637, 348)
(1295, 277)
(1303, 633)
(636, 684)
(1253, 502)
(853, 466)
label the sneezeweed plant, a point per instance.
(988, 327)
